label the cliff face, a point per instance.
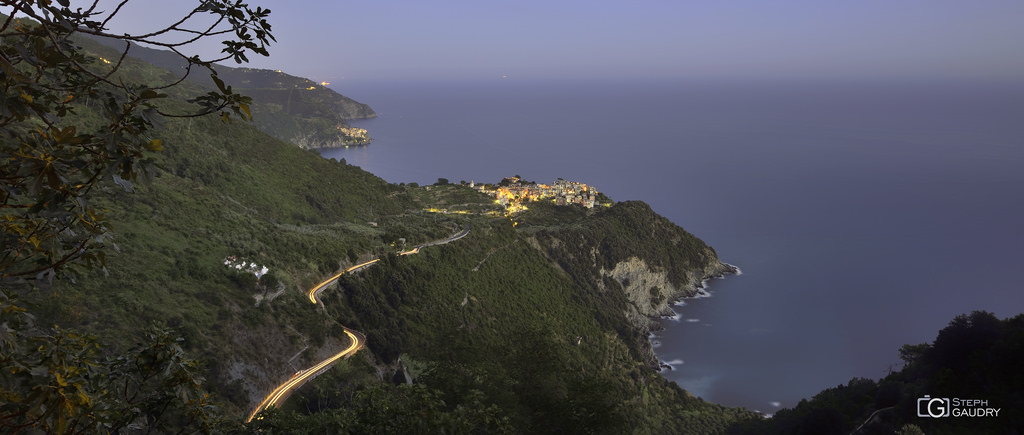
(651, 293)
(639, 260)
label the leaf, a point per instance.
(155, 145)
(219, 83)
(52, 179)
(150, 94)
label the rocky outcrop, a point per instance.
(630, 249)
(651, 293)
(342, 137)
(647, 290)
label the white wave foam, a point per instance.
(691, 320)
(672, 364)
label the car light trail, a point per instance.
(358, 339)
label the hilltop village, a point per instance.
(513, 192)
(355, 136)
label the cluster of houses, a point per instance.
(513, 192)
(356, 135)
(243, 265)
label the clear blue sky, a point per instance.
(526, 39)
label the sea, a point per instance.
(864, 214)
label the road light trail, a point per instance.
(357, 338)
(315, 291)
(284, 390)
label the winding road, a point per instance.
(357, 338)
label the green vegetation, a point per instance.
(524, 352)
(515, 328)
(497, 322)
(628, 229)
(60, 381)
(976, 357)
(72, 126)
(290, 108)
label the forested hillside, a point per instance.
(487, 322)
(293, 109)
(487, 333)
(155, 272)
(974, 363)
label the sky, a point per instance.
(363, 40)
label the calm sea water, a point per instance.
(864, 215)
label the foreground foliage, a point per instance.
(59, 381)
(976, 357)
(51, 160)
(70, 126)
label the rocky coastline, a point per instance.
(342, 144)
(341, 137)
(652, 295)
(629, 249)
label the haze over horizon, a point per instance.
(532, 40)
